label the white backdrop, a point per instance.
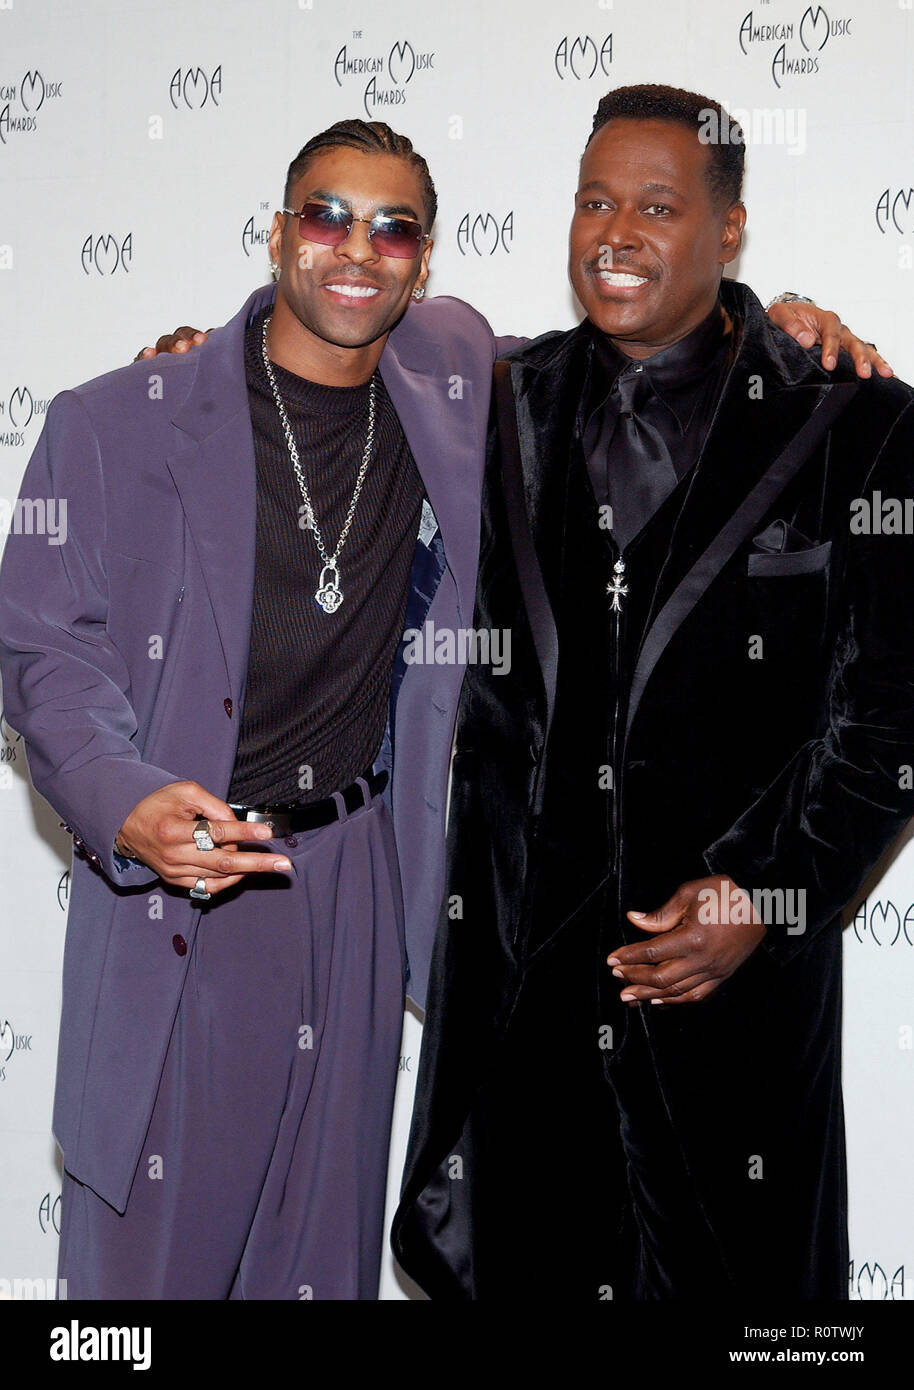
(143, 149)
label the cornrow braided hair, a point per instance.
(369, 137)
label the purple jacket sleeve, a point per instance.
(64, 681)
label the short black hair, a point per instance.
(715, 127)
(370, 137)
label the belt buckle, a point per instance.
(279, 821)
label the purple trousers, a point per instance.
(264, 1169)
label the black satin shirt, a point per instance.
(686, 380)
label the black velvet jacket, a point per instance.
(755, 702)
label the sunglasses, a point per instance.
(329, 224)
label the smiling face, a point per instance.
(648, 242)
(347, 296)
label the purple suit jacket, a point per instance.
(156, 462)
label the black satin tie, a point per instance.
(640, 472)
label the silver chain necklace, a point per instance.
(329, 595)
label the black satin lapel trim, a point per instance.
(832, 400)
(533, 587)
(742, 438)
(546, 401)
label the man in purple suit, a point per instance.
(220, 640)
(250, 530)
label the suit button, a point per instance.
(180, 945)
(291, 841)
(228, 707)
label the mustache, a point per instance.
(620, 266)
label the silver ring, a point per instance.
(203, 837)
(199, 890)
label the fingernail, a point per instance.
(613, 960)
(637, 914)
(626, 996)
(656, 1001)
(618, 974)
(282, 864)
(829, 362)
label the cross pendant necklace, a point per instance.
(617, 587)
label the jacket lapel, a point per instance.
(771, 395)
(446, 455)
(215, 476)
(546, 393)
(536, 431)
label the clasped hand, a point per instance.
(698, 938)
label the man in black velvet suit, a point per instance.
(630, 1085)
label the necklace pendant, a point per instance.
(617, 587)
(329, 594)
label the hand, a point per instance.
(182, 340)
(810, 325)
(159, 832)
(702, 934)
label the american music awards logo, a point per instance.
(49, 1213)
(384, 76)
(581, 56)
(106, 254)
(895, 210)
(8, 736)
(22, 101)
(483, 233)
(882, 922)
(17, 411)
(190, 89)
(8, 750)
(869, 1283)
(256, 231)
(63, 890)
(798, 44)
(11, 1042)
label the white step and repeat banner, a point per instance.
(143, 149)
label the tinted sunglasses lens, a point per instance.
(326, 225)
(396, 236)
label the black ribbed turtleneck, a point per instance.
(317, 683)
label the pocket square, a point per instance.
(781, 538)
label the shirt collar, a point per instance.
(676, 366)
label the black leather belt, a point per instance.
(288, 817)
